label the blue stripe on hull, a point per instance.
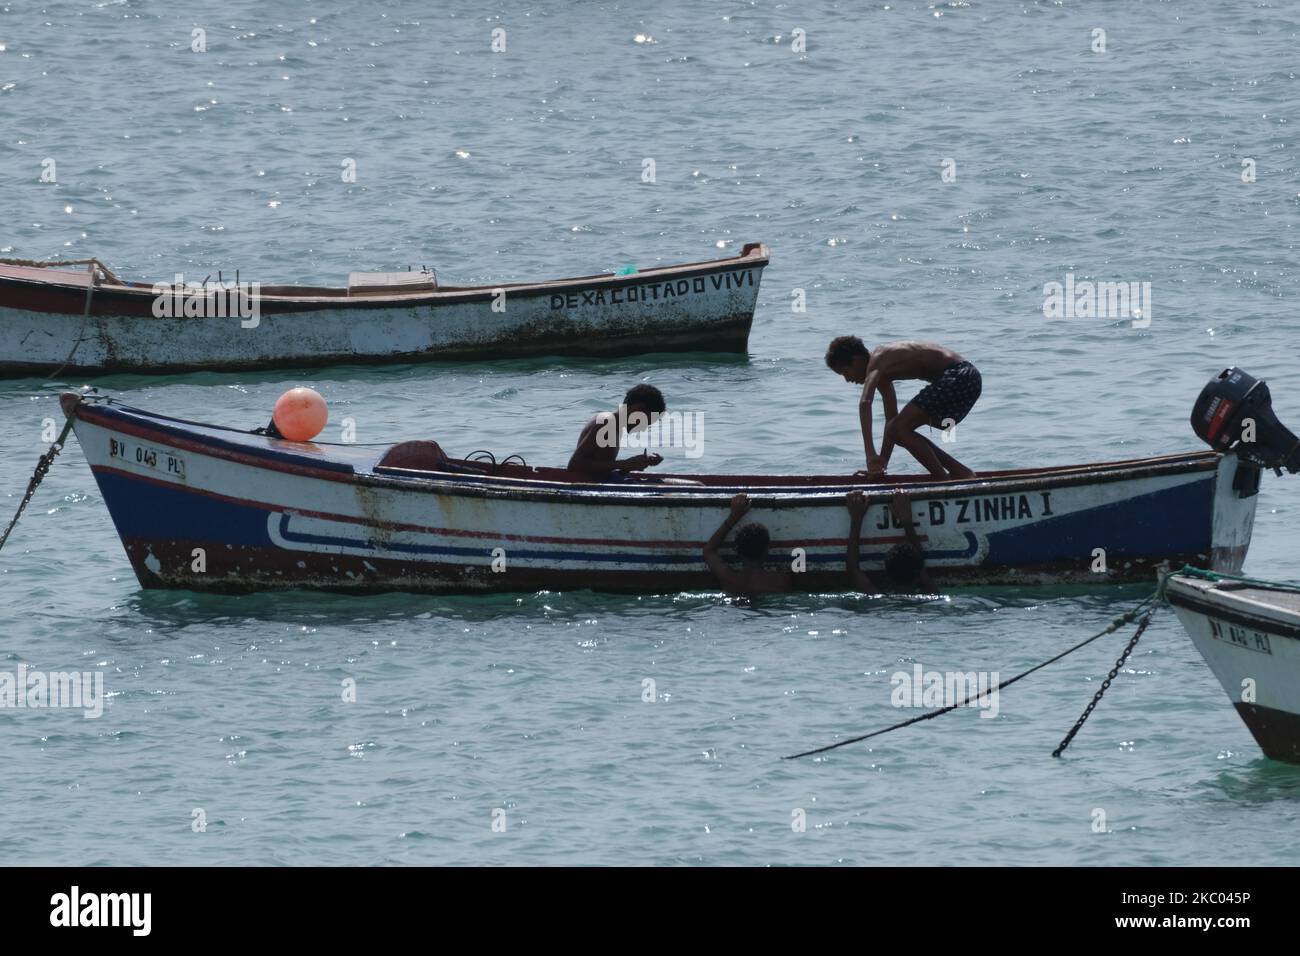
(692, 557)
(146, 511)
(1130, 528)
(1170, 521)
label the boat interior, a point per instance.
(426, 458)
(412, 458)
(413, 282)
(1275, 595)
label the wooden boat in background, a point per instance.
(1249, 634)
(86, 320)
(267, 513)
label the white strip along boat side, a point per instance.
(86, 321)
(1249, 634)
(209, 508)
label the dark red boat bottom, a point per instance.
(1276, 731)
(235, 569)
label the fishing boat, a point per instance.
(214, 508)
(1249, 634)
(61, 317)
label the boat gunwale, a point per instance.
(753, 255)
(1193, 594)
(286, 460)
(792, 496)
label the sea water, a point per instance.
(919, 171)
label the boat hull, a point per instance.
(706, 307)
(1253, 648)
(201, 508)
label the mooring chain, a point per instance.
(1105, 685)
(42, 467)
(1126, 618)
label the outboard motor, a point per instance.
(1235, 412)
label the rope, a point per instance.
(94, 264)
(261, 430)
(1194, 572)
(47, 263)
(42, 467)
(1111, 628)
(1105, 685)
(81, 333)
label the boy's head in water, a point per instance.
(903, 565)
(751, 544)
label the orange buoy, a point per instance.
(300, 414)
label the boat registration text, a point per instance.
(165, 463)
(1239, 636)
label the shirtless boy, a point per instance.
(596, 456)
(904, 564)
(954, 388)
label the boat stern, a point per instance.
(1236, 494)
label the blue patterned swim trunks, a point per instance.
(951, 395)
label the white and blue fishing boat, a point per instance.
(1249, 634)
(211, 508)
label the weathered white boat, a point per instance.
(209, 508)
(85, 319)
(1249, 634)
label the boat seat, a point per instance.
(391, 283)
(420, 455)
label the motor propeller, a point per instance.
(1235, 412)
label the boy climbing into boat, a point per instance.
(954, 386)
(596, 456)
(858, 579)
(904, 562)
(752, 542)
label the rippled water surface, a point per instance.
(1123, 165)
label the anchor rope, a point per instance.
(42, 468)
(1126, 618)
(109, 400)
(94, 265)
(81, 333)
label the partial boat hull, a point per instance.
(1249, 636)
(52, 319)
(212, 509)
